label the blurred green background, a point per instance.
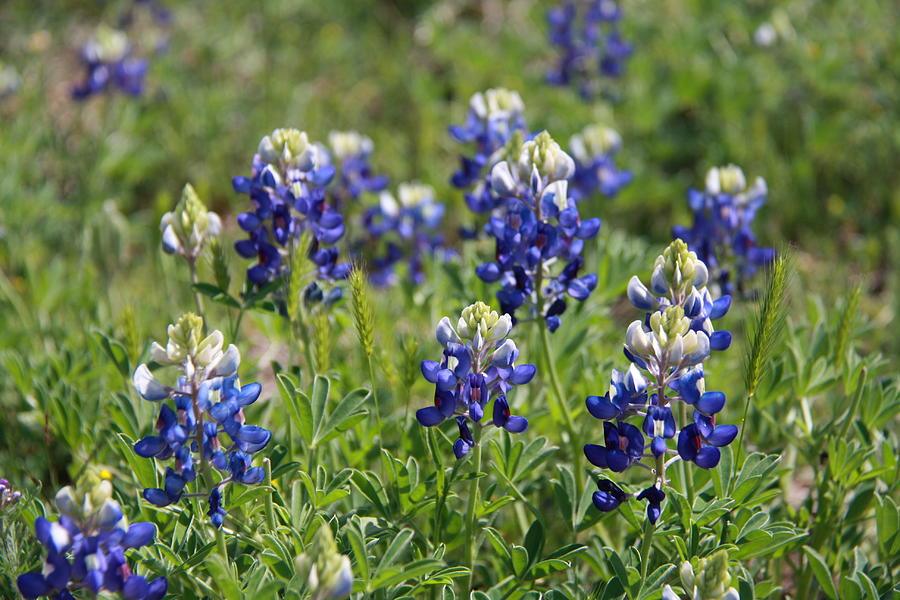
(83, 185)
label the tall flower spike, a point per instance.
(494, 119)
(478, 366)
(352, 153)
(722, 234)
(401, 228)
(667, 349)
(203, 422)
(287, 190)
(538, 232)
(109, 66)
(594, 150)
(189, 227)
(86, 549)
(589, 44)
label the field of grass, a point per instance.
(804, 504)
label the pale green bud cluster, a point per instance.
(409, 195)
(92, 503)
(289, 149)
(670, 341)
(108, 45)
(725, 180)
(595, 140)
(327, 572)
(349, 143)
(544, 155)
(187, 228)
(186, 344)
(479, 319)
(677, 271)
(497, 103)
(712, 579)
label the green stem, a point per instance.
(375, 400)
(471, 534)
(198, 301)
(237, 325)
(220, 544)
(307, 348)
(561, 407)
(646, 546)
(270, 508)
(739, 452)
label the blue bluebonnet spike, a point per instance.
(86, 549)
(401, 228)
(589, 43)
(478, 366)
(722, 234)
(669, 345)
(110, 66)
(594, 150)
(209, 387)
(287, 191)
(536, 224)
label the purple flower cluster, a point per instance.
(590, 45)
(86, 550)
(287, 192)
(537, 227)
(667, 350)
(109, 65)
(594, 150)
(8, 496)
(722, 234)
(478, 366)
(401, 228)
(351, 152)
(205, 422)
(494, 116)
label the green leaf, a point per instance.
(337, 420)
(318, 402)
(299, 405)
(822, 573)
(534, 540)
(519, 560)
(353, 534)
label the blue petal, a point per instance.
(135, 588)
(158, 588)
(429, 416)
(711, 402)
(720, 340)
(605, 501)
(139, 535)
(617, 460)
(722, 435)
(33, 585)
(430, 370)
(516, 424)
(601, 408)
(707, 457)
(522, 374)
(157, 497)
(596, 455)
(249, 394)
(720, 306)
(150, 446)
(460, 448)
(251, 438)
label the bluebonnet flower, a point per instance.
(187, 229)
(205, 423)
(667, 350)
(86, 550)
(110, 65)
(402, 228)
(722, 234)
(594, 150)
(495, 116)
(478, 365)
(537, 229)
(610, 495)
(287, 190)
(355, 176)
(8, 495)
(590, 44)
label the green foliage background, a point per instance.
(82, 188)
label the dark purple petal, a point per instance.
(522, 374)
(722, 435)
(516, 424)
(596, 455)
(707, 457)
(601, 408)
(139, 535)
(429, 416)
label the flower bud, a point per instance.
(725, 180)
(593, 141)
(686, 572)
(503, 182)
(66, 501)
(544, 154)
(497, 104)
(189, 226)
(289, 148)
(347, 144)
(637, 340)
